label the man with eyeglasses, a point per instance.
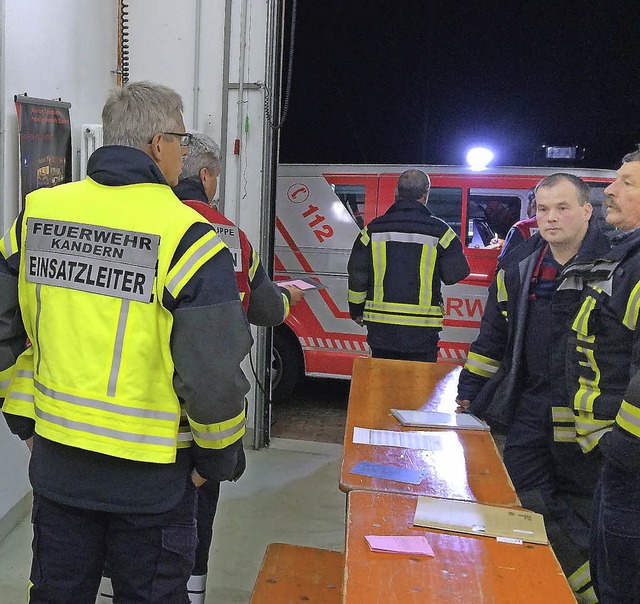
(130, 303)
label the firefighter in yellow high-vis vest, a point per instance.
(129, 301)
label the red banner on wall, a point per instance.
(44, 141)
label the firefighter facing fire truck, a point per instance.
(264, 302)
(396, 268)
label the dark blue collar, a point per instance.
(191, 189)
(115, 166)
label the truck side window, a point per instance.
(490, 217)
(352, 197)
(446, 204)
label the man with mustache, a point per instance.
(604, 384)
(514, 375)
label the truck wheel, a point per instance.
(286, 365)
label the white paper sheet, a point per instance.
(408, 440)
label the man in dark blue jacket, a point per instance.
(604, 387)
(396, 268)
(514, 375)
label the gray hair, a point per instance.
(582, 188)
(135, 113)
(204, 152)
(633, 156)
(413, 184)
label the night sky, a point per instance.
(421, 82)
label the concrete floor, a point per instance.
(289, 494)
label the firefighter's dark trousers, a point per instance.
(615, 544)
(149, 556)
(556, 480)
(208, 495)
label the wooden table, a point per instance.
(465, 569)
(469, 467)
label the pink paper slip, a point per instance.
(400, 544)
(299, 283)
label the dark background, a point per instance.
(421, 82)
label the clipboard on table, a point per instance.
(435, 419)
(479, 519)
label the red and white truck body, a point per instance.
(319, 212)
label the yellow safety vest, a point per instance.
(19, 399)
(94, 265)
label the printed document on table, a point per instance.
(431, 441)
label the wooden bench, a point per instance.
(291, 574)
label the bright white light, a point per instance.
(478, 158)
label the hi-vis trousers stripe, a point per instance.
(197, 587)
(579, 580)
(105, 593)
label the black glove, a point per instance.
(241, 464)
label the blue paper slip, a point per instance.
(378, 470)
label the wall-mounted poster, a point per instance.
(44, 135)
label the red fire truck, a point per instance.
(319, 212)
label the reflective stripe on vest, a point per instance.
(202, 250)
(106, 385)
(5, 380)
(19, 398)
(378, 310)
